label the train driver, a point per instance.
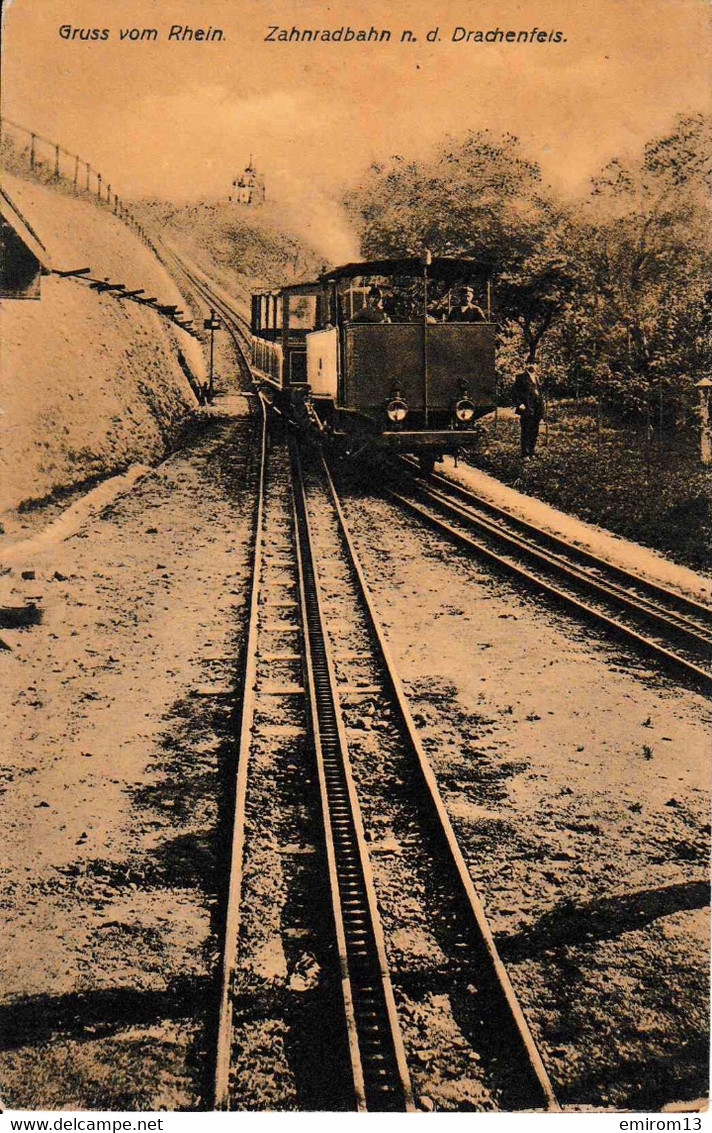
(374, 311)
(467, 310)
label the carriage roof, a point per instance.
(445, 268)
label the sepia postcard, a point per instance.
(355, 561)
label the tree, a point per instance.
(480, 198)
(642, 316)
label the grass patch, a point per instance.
(654, 492)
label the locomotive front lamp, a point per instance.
(397, 410)
(464, 411)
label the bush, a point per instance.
(655, 492)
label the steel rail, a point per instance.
(380, 1076)
(682, 604)
(207, 287)
(671, 623)
(231, 316)
(380, 1073)
(510, 1016)
(221, 1081)
(668, 658)
(233, 320)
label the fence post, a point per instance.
(660, 408)
(648, 440)
(703, 387)
(119, 207)
(496, 405)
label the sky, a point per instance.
(181, 119)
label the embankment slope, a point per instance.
(89, 383)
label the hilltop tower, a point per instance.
(248, 188)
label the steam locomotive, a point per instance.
(385, 354)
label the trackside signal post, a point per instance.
(426, 260)
(212, 324)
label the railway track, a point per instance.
(236, 324)
(675, 630)
(381, 1079)
(312, 664)
(285, 650)
(300, 665)
(379, 1076)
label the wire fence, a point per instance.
(593, 426)
(649, 429)
(47, 161)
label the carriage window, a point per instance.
(359, 300)
(325, 312)
(352, 298)
(302, 312)
(262, 311)
(276, 305)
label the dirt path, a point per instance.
(578, 782)
(118, 760)
(577, 779)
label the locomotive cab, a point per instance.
(389, 354)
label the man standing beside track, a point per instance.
(529, 407)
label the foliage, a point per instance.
(480, 198)
(649, 488)
(239, 242)
(639, 328)
(611, 295)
